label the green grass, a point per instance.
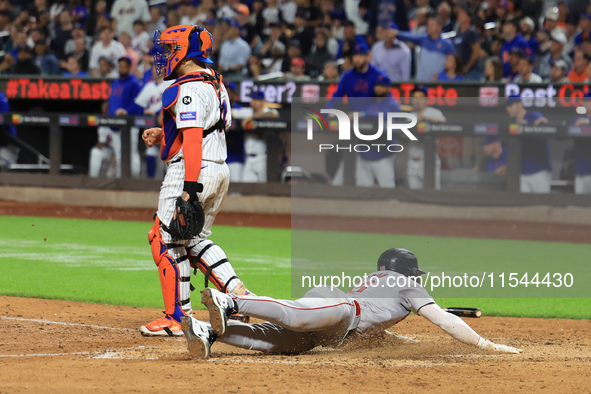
(110, 262)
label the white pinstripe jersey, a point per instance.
(198, 105)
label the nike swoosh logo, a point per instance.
(204, 166)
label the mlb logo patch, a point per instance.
(188, 115)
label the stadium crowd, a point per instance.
(445, 40)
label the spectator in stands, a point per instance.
(558, 72)
(255, 67)
(45, 60)
(331, 43)
(497, 156)
(234, 51)
(125, 40)
(444, 12)
(556, 52)
(585, 26)
(536, 170)
(24, 63)
(467, 43)
(289, 9)
(309, 12)
(77, 32)
(5, 19)
(434, 49)
(172, 18)
(79, 12)
(293, 50)
(382, 12)
(579, 72)
(303, 33)
(63, 33)
(273, 62)
(453, 70)
(156, 21)
(532, 8)
(189, 13)
(551, 20)
(125, 12)
(79, 51)
(391, 55)
(515, 56)
(512, 40)
(319, 55)
(296, 70)
(346, 46)
(527, 27)
(141, 40)
(74, 68)
(526, 72)
(571, 27)
(330, 72)
(106, 47)
(501, 13)
(35, 35)
(107, 69)
(271, 13)
(248, 32)
(357, 12)
(493, 70)
(38, 9)
(19, 41)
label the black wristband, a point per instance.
(192, 188)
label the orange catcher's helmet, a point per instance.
(177, 43)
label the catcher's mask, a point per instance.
(400, 260)
(177, 43)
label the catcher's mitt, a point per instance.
(188, 220)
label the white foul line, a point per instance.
(43, 354)
(61, 323)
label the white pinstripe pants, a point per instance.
(215, 178)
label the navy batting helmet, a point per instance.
(400, 260)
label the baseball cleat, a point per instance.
(220, 307)
(199, 338)
(166, 326)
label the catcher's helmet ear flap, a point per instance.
(400, 260)
(177, 43)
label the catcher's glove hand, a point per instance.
(187, 221)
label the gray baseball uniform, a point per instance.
(325, 317)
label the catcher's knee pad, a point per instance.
(210, 259)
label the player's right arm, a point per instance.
(458, 329)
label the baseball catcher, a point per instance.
(195, 115)
(327, 317)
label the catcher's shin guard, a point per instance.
(210, 259)
(174, 271)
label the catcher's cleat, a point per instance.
(199, 337)
(220, 307)
(166, 326)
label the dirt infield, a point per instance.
(62, 346)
